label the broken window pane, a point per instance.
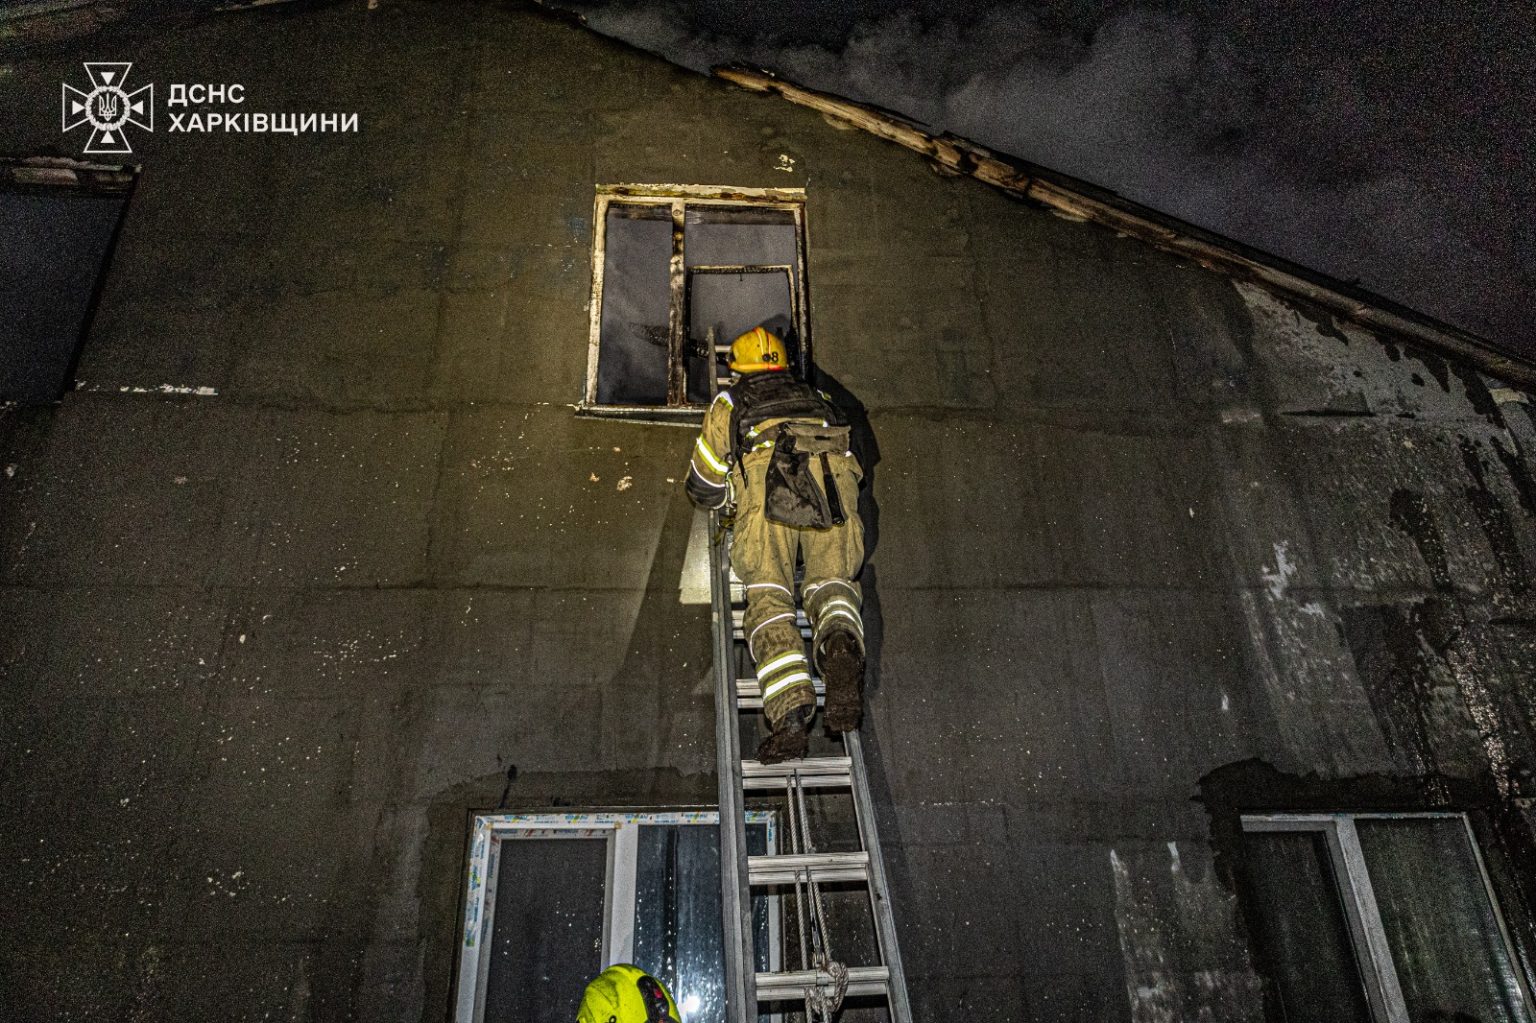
(54, 250)
(1450, 955)
(637, 295)
(548, 928)
(739, 235)
(1302, 933)
(740, 269)
(730, 304)
(729, 236)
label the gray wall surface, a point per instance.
(1148, 545)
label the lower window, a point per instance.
(1379, 918)
(552, 899)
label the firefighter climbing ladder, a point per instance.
(802, 868)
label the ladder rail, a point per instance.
(879, 892)
(735, 895)
(739, 872)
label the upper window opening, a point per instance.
(58, 220)
(677, 275)
(1379, 918)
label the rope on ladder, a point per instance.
(820, 1002)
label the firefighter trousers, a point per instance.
(764, 554)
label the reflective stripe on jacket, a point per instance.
(711, 459)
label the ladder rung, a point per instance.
(790, 867)
(739, 633)
(814, 773)
(755, 703)
(739, 591)
(862, 980)
(737, 614)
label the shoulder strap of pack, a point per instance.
(738, 401)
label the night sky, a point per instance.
(1386, 142)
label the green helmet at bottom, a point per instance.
(626, 994)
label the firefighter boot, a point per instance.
(842, 669)
(790, 738)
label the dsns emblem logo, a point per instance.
(108, 108)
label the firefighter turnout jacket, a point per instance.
(744, 426)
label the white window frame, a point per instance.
(1384, 991)
(677, 198)
(621, 832)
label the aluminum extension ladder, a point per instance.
(741, 874)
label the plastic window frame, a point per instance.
(1352, 878)
(678, 198)
(620, 830)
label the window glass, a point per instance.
(52, 254)
(1450, 954)
(677, 914)
(1301, 927)
(637, 297)
(547, 940)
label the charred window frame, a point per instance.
(60, 220)
(606, 883)
(1342, 902)
(666, 258)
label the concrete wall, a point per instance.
(262, 650)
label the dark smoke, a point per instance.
(1386, 143)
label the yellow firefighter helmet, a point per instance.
(758, 349)
(626, 994)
